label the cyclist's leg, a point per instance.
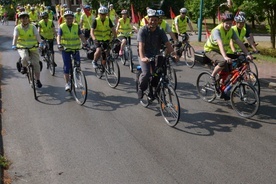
(34, 58)
(218, 60)
(66, 57)
(144, 77)
(97, 54)
(123, 43)
(24, 54)
(76, 57)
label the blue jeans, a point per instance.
(67, 62)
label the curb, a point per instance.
(271, 85)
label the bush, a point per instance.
(268, 52)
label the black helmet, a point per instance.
(44, 14)
(227, 17)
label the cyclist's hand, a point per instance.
(41, 44)
(250, 57)
(60, 47)
(84, 45)
(145, 60)
(95, 42)
(228, 60)
(14, 47)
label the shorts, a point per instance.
(218, 59)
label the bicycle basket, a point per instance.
(90, 53)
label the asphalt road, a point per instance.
(113, 139)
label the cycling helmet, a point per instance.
(239, 18)
(152, 13)
(64, 5)
(24, 14)
(183, 10)
(161, 13)
(68, 13)
(103, 10)
(49, 7)
(227, 17)
(242, 14)
(111, 5)
(21, 9)
(87, 7)
(78, 9)
(32, 8)
(44, 15)
(124, 12)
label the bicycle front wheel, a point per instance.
(204, 87)
(79, 86)
(169, 105)
(51, 64)
(189, 56)
(245, 100)
(172, 77)
(112, 73)
(251, 78)
(253, 68)
(32, 79)
(130, 60)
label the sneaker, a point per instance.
(67, 86)
(38, 84)
(140, 94)
(94, 64)
(23, 70)
(120, 53)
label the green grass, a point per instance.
(4, 162)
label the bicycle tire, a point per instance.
(189, 55)
(253, 68)
(123, 58)
(245, 100)
(51, 64)
(130, 57)
(99, 71)
(169, 105)
(171, 73)
(32, 79)
(112, 72)
(204, 87)
(251, 78)
(79, 86)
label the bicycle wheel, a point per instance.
(245, 100)
(169, 105)
(204, 87)
(253, 68)
(189, 55)
(112, 72)
(130, 60)
(172, 76)
(123, 57)
(32, 79)
(51, 64)
(99, 71)
(79, 86)
(251, 78)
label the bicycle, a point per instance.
(233, 86)
(186, 50)
(160, 88)
(30, 71)
(127, 54)
(109, 67)
(77, 79)
(49, 57)
(5, 21)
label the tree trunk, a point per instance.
(214, 21)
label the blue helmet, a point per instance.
(161, 13)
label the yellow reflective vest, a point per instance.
(102, 31)
(70, 37)
(87, 21)
(26, 38)
(182, 24)
(163, 25)
(240, 35)
(77, 17)
(46, 30)
(212, 45)
(125, 27)
(33, 17)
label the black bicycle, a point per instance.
(187, 51)
(127, 54)
(108, 66)
(160, 88)
(49, 57)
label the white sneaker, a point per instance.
(94, 64)
(67, 87)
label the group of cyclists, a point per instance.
(78, 27)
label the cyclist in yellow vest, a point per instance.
(50, 13)
(164, 25)
(179, 25)
(100, 33)
(17, 20)
(77, 16)
(86, 21)
(124, 30)
(69, 40)
(243, 33)
(47, 31)
(26, 36)
(112, 14)
(218, 43)
(33, 16)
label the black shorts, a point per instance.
(86, 33)
(127, 38)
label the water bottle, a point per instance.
(139, 68)
(228, 87)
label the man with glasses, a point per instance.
(150, 38)
(100, 33)
(218, 43)
(179, 25)
(25, 35)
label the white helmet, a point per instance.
(152, 13)
(239, 18)
(103, 10)
(183, 10)
(68, 13)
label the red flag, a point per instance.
(218, 15)
(87, 12)
(134, 18)
(172, 13)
